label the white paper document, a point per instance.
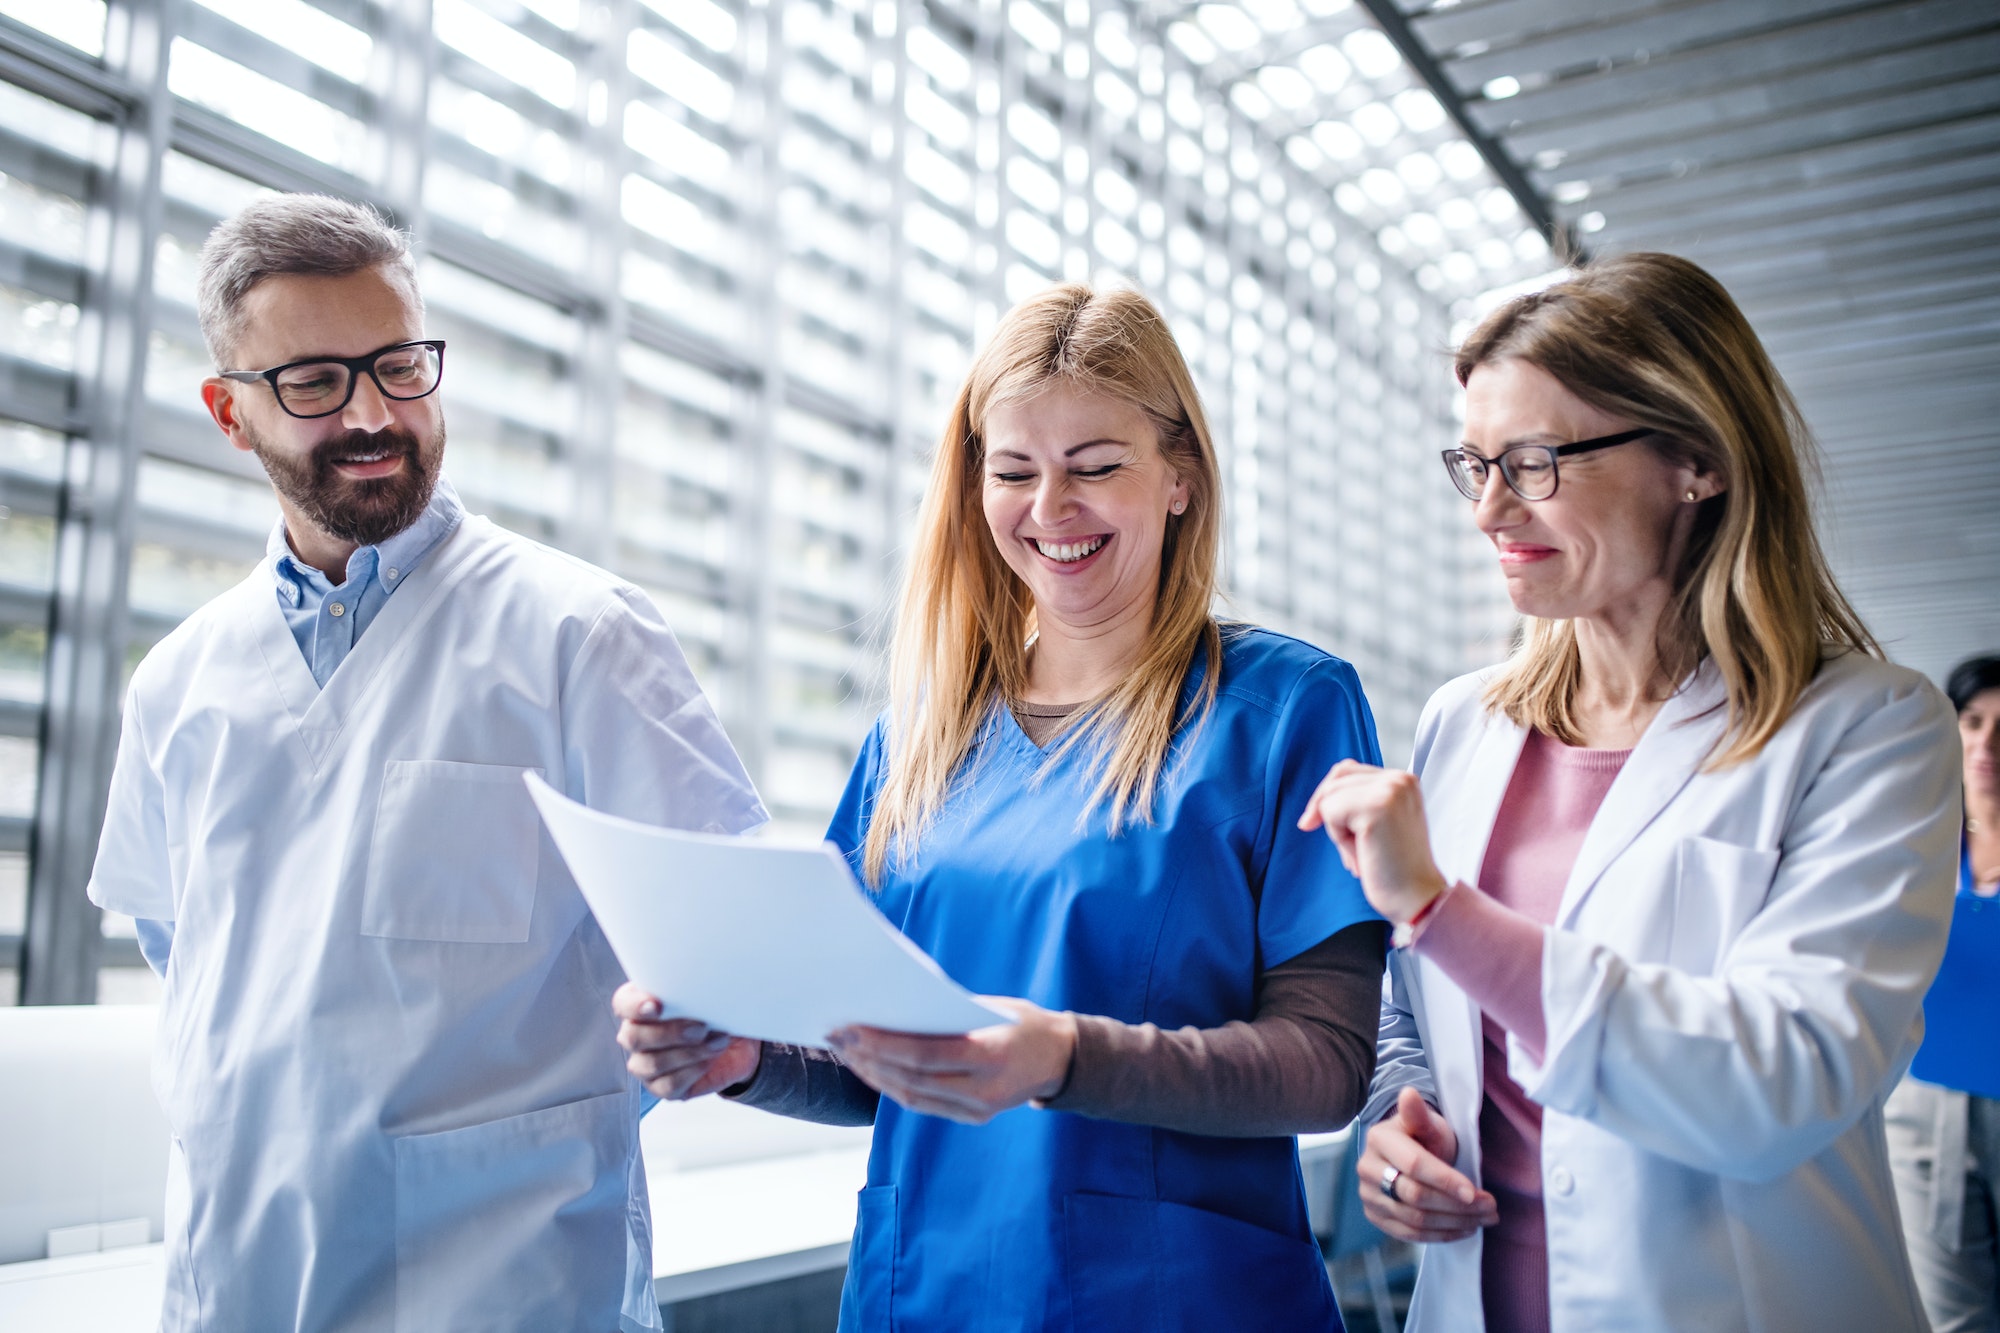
(754, 938)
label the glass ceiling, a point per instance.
(1320, 79)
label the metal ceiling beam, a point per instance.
(1827, 260)
(1866, 347)
(1759, 121)
(1739, 238)
(1745, 62)
(1969, 302)
(1935, 473)
(1660, 32)
(1959, 442)
(1814, 93)
(1922, 376)
(1804, 131)
(1754, 212)
(1448, 29)
(1857, 160)
(1395, 26)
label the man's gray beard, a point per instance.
(366, 513)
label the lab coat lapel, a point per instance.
(321, 715)
(1477, 806)
(1665, 759)
(1452, 1020)
(284, 665)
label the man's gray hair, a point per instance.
(290, 233)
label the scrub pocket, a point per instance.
(516, 1224)
(1718, 887)
(868, 1298)
(1158, 1267)
(455, 854)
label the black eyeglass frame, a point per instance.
(357, 366)
(1553, 451)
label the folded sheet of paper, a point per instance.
(752, 937)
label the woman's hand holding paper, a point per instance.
(679, 1058)
(971, 1078)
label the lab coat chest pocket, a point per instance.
(454, 855)
(1718, 887)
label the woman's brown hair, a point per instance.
(1655, 339)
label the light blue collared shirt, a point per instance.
(327, 620)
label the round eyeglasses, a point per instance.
(1528, 469)
(325, 384)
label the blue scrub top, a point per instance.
(1050, 1220)
(1959, 1049)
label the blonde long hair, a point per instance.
(965, 620)
(1655, 338)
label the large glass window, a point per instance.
(711, 271)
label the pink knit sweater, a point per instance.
(1489, 940)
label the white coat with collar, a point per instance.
(1731, 988)
(385, 1046)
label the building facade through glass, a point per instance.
(711, 272)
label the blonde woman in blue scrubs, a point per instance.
(1083, 795)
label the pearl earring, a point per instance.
(1690, 497)
(1180, 506)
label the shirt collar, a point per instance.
(398, 553)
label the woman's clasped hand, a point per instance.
(1419, 1195)
(1375, 817)
(679, 1058)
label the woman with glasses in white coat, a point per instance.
(1668, 885)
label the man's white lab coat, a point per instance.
(386, 1049)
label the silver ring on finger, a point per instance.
(1390, 1175)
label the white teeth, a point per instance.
(1067, 552)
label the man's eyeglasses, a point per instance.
(1528, 469)
(324, 385)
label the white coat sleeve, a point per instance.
(1754, 1070)
(640, 739)
(1400, 1060)
(133, 872)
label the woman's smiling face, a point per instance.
(1077, 495)
(1619, 518)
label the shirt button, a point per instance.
(1561, 1181)
(336, 610)
(391, 574)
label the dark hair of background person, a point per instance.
(1975, 675)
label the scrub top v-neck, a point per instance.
(1049, 1220)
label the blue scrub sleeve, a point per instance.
(849, 825)
(1305, 892)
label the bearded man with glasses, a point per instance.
(394, 1101)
